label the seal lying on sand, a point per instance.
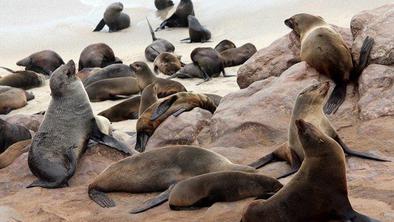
(22, 79)
(197, 32)
(114, 18)
(157, 46)
(111, 71)
(318, 192)
(97, 55)
(238, 56)
(63, 135)
(167, 63)
(123, 111)
(179, 18)
(13, 98)
(113, 88)
(44, 62)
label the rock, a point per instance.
(276, 58)
(181, 130)
(376, 92)
(379, 24)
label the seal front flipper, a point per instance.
(336, 98)
(142, 140)
(100, 26)
(156, 201)
(163, 107)
(101, 198)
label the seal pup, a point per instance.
(325, 50)
(163, 4)
(12, 133)
(13, 98)
(114, 18)
(156, 171)
(179, 18)
(114, 88)
(157, 46)
(167, 63)
(22, 79)
(175, 105)
(238, 56)
(108, 72)
(197, 32)
(224, 45)
(97, 55)
(318, 192)
(190, 70)
(63, 135)
(123, 111)
(44, 62)
(309, 106)
(145, 77)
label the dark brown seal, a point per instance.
(167, 63)
(123, 111)
(163, 4)
(97, 55)
(114, 18)
(237, 56)
(13, 98)
(22, 79)
(157, 46)
(197, 32)
(318, 192)
(113, 88)
(190, 70)
(44, 62)
(108, 72)
(325, 50)
(224, 45)
(179, 18)
(12, 133)
(209, 61)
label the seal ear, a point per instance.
(100, 26)
(163, 107)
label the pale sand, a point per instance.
(65, 26)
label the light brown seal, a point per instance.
(44, 62)
(13, 98)
(97, 55)
(114, 18)
(22, 79)
(167, 63)
(123, 111)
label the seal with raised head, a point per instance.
(324, 49)
(97, 55)
(224, 45)
(114, 18)
(64, 133)
(156, 171)
(197, 32)
(238, 56)
(175, 105)
(123, 111)
(113, 88)
(167, 63)
(318, 192)
(22, 79)
(13, 98)
(179, 18)
(157, 46)
(309, 106)
(163, 4)
(44, 62)
(108, 72)
(145, 77)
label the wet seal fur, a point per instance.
(179, 18)
(64, 133)
(123, 111)
(157, 46)
(44, 62)
(22, 79)
(97, 55)
(197, 33)
(318, 192)
(113, 88)
(114, 18)
(13, 98)
(167, 63)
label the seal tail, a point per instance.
(99, 26)
(13, 152)
(363, 155)
(151, 30)
(154, 202)
(7, 69)
(364, 57)
(101, 198)
(336, 98)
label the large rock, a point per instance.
(379, 24)
(376, 92)
(277, 57)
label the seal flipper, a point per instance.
(142, 140)
(336, 98)
(263, 161)
(187, 39)
(151, 31)
(154, 202)
(363, 155)
(179, 112)
(100, 26)
(163, 107)
(7, 69)
(101, 198)
(365, 51)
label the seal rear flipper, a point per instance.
(101, 198)
(151, 31)
(336, 99)
(13, 152)
(163, 107)
(363, 155)
(365, 51)
(263, 161)
(154, 202)
(292, 171)
(282, 153)
(100, 26)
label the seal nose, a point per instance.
(289, 23)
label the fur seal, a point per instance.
(157, 46)
(179, 18)
(145, 77)
(237, 56)
(197, 32)
(13, 98)
(97, 55)
(209, 61)
(114, 18)
(148, 97)
(167, 63)
(175, 105)
(163, 4)
(44, 62)
(156, 171)
(224, 45)
(309, 106)
(325, 50)
(63, 135)
(12, 133)
(13, 152)
(111, 71)
(188, 71)
(86, 73)
(114, 88)
(22, 79)
(306, 198)
(123, 111)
